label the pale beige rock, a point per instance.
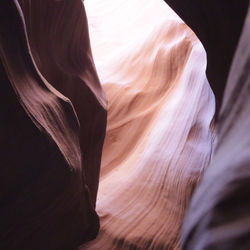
(160, 108)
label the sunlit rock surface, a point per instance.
(160, 107)
(158, 139)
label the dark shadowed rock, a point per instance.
(219, 216)
(59, 40)
(45, 201)
(218, 25)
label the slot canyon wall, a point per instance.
(160, 108)
(51, 132)
(107, 124)
(218, 217)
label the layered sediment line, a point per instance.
(48, 180)
(160, 107)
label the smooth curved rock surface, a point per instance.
(160, 107)
(159, 136)
(218, 217)
(59, 41)
(48, 182)
(218, 25)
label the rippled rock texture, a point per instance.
(160, 107)
(218, 217)
(218, 25)
(159, 112)
(51, 137)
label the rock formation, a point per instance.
(218, 217)
(160, 107)
(160, 132)
(50, 147)
(218, 26)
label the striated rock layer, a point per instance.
(218, 217)
(160, 107)
(159, 135)
(51, 138)
(218, 25)
(62, 53)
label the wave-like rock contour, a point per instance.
(160, 107)
(53, 122)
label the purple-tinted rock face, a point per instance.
(218, 217)
(159, 135)
(49, 169)
(59, 42)
(218, 25)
